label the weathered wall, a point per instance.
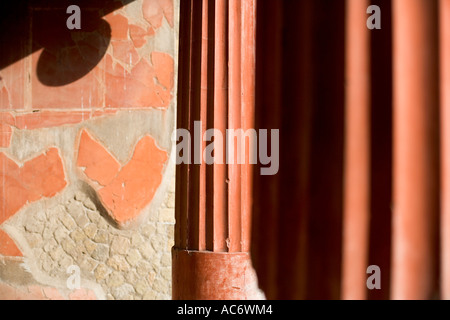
(86, 176)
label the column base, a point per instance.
(205, 275)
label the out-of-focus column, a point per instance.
(444, 19)
(357, 152)
(416, 163)
(297, 218)
(211, 257)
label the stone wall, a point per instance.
(86, 168)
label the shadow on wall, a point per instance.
(68, 55)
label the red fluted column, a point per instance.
(357, 153)
(445, 143)
(416, 163)
(213, 201)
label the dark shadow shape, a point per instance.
(68, 55)
(91, 194)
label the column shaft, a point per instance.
(357, 153)
(213, 204)
(445, 146)
(416, 163)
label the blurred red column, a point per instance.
(298, 213)
(445, 145)
(356, 153)
(213, 201)
(416, 162)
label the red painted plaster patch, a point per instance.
(43, 119)
(40, 177)
(52, 293)
(145, 86)
(49, 119)
(119, 26)
(37, 292)
(5, 135)
(125, 52)
(82, 294)
(134, 185)
(163, 65)
(8, 247)
(155, 10)
(6, 120)
(19, 293)
(99, 164)
(137, 35)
